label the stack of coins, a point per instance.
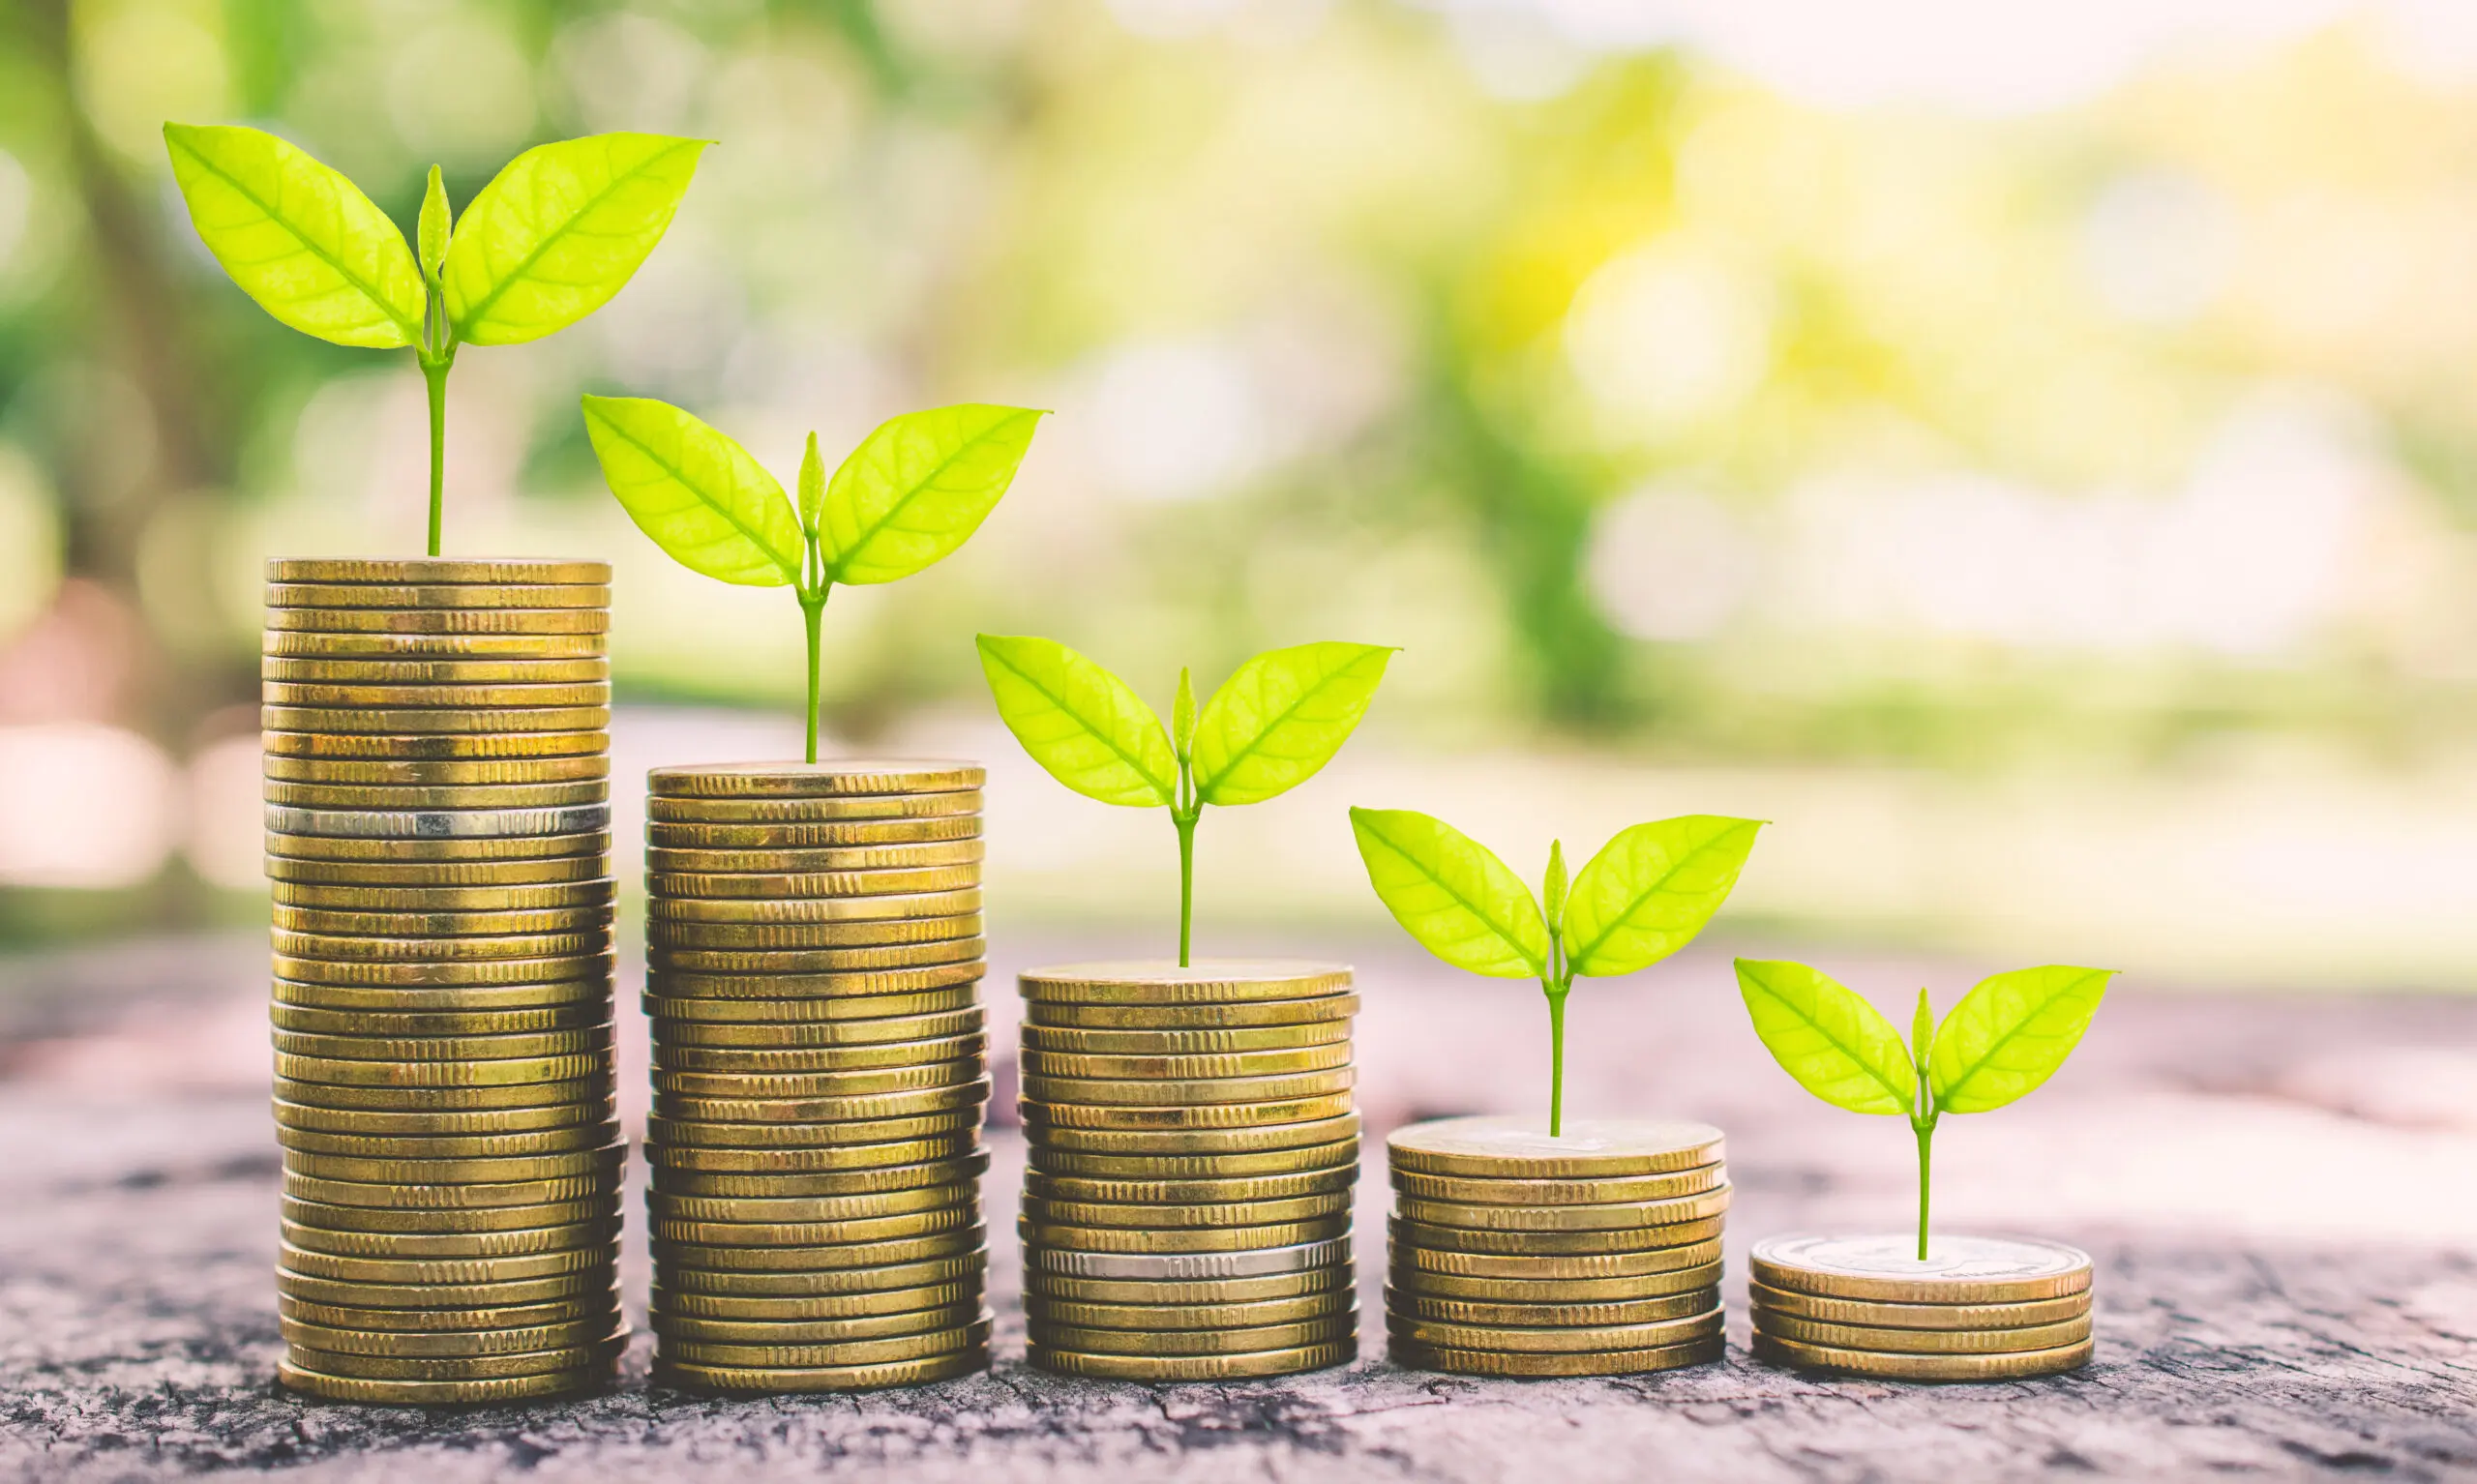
(1193, 1149)
(438, 843)
(1597, 1252)
(813, 956)
(1977, 1309)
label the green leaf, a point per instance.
(2009, 1034)
(560, 231)
(695, 492)
(1085, 725)
(297, 237)
(1553, 890)
(1282, 717)
(1453, 894)
(433, 229)
(1838, 1047)
(1183, 715)
(812, 486)
(918, 487)
(1649, 890)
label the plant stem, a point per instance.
(1186, 820)
(435, 375)
(812, 619)
(1556, 991)
(1926, 1158)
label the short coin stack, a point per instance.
(813, 955)
(438, 846)
(1193, 1149)
(1597, 1252)
(1977, 1309)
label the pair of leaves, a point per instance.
(910, 494)
(2005, 1038)
(1272, 727)
(1642, 897)
(562, 229)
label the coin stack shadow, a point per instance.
(1193, 1147)
(813, 955)
(1593, 1254)
(438, 819)
(1983, 1308)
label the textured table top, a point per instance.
(2285, 1226)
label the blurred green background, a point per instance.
(2030, 458)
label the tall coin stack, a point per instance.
(439, 841)
(1193, 1149)
(813, 955)
(1977, 1309)
(1597, 1252)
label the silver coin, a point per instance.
(1188, 1264)
(437, 823)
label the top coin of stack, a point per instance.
(1193, 1147)
(814, 943)
(437, 843)
(1977, 1309)
(1596, 1252)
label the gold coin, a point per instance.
(288, 643)
(1555, 1267)
(847, 835)
(1214, 981)
(1627, 1189)
(602, 1308)
(1070, 1041)
(699, 1331)
(575, 1139)
(1536, 1364)
(432, 875)
(676, 1261)
(868, 1081)
(1323, 1253)
(1196, 1368)
(1316, 1159)
(530, 984)
(588, 1261)
(380, 1365)
(893, 1349)
(392, 799)
(834, 1160)
(1768, 1300)
(502, 924)
(691, 1286)
(1254, 1340)
(793, 895)
(962, 1171)
(461, 1221)
(779, 1380)
(436, 746)
(453, 1124)
(396, 722)
(812, 779)
(1519, 1149)
(1958, 1270)
(1259, 1139)
(1412, 1233)
(824, 1110)
(295, 593)
(294, 669)
(674, 961)
(342, 948)
(1277, 1012)
(449, 1172)
(735, 865)
(430, 1299)
(1420, 1284)
(483, 1048)
(1558, 1339)
(1884, 1338)
(810, 1136)
(590, 844)
(1199, 1239)
(444, 1393)
(297, 1020)
(345, 1098)
(1169, 1294)
(441, 1076)
(668, 914)
(1334, 1181)
(776, 813)
(553, 896)
(855, 985)
(600, 1234)
(1191, 1097)
(826, 1308)
(1233, 1064)
(879, 1056)
(1045, 1118)
(672, 939)
(1627, 1216)
(1055, 1315)
(530, 622)
(789, 1210)
(355, 696)
(1165, 1217)
(1909, 1367)
(481, 772)
(435, 569)
(962, 1017)
(1432, 1309)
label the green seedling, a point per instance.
(2001, 1041)
(1642, 897)
(1274, 723)
(562, 229)
(905, 499)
